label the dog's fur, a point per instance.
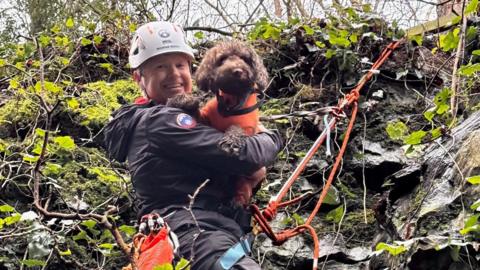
(233, 69)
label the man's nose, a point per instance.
(173, 71)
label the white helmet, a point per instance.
(156, 38)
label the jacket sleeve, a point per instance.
(172, 132)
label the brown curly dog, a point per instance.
(236, 74)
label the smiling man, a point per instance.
(170, 155)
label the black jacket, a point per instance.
(169, 155)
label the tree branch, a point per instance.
(208, 29)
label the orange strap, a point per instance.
(263, 217)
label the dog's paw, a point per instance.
(233, 140)
(187, 102)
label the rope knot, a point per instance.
(271, 211)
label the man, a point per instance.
(170, 155)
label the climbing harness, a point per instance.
(350, 100)
(235, 253)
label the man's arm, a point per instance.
(174, 133)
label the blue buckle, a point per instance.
(235, 254)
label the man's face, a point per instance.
(166, 75)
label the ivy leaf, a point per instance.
(298, 219)
(397, 130)
(329, 54)
(472, 220)
(475, 52)
(69, 23)
(14, 218)
(474, 180)
(415, 137)
(107, 66)
(33, 262)
(182, 264)
(353, 38)
(308, 30)
(335, 215)
(417, 38)
(332, 197)
(65, 142)
(6, 208)
(198, 35)
(442, 109)
(85, 41)
(55, 29)
(2, 62)
(14, 84)
(476, 205)
(437, 132)
(450, 40)
(30, 158)
(320, 44)
(129, 230)
(108, 246)
(52, 169)
(67, 252)
(429, 114)
(469, 69)
(471, 7)
(97, 39)
(392, 249)
(89, 223)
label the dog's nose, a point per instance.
(238, 72)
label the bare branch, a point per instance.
(208, 29)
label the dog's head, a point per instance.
(232, 67)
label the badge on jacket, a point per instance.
(186, 121)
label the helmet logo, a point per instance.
(163, 34)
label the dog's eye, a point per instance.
(222, 58)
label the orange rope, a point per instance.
(270, 212)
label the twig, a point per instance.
(208, 29)
(459, 54)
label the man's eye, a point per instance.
(160, 66)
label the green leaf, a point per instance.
(52, 169)
(14, 218)
(475, 206)
(85, 41)
(107, 66)
(335, 215)
(353, 38)
(442, 97)
(417, 38)
(69, 23)
(429, 114)
(469, 69)
(397, 130)
(108, 246)
(332, 197)
(437, 132)
(329, 53)
(30, 158)
(471, 7)
(82, 235)
(442, 109)
(474, 228)
(415, 137)
(474, 180)
(320, 44)
(64, 61)
(450, 40)
(166, 266)
(308, 30)
(472, 220)
(2, 62)
(65, 142)
(182, 264)
(129, 230)
(6, 208)
(89, 223)
(67, 252)
(298, 219)
(475, 52)
(97, 39)
(33, 262)
(367, 8)
(392, 249)
(198, 35)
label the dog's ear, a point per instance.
(261, 79)
(205, 72)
